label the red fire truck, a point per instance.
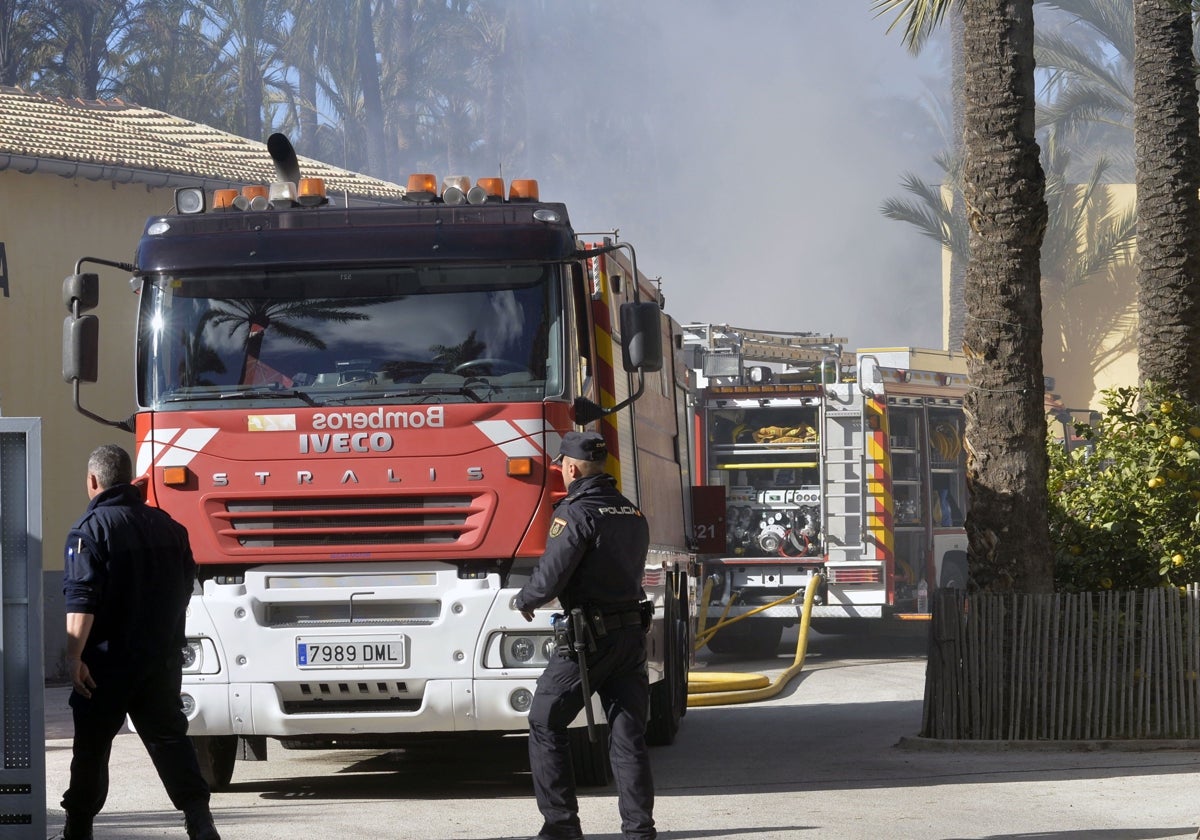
(353, 410)
(812, 459)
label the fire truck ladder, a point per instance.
(843, 476)
(791, 348)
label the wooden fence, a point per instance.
(1085, 666)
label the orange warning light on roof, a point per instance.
(493, 187)
(523, 189)
(311, 192)
(223, 199)
(423, 182)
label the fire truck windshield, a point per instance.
(405, 335)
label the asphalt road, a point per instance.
(832, 756)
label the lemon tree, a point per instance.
(1125, 507)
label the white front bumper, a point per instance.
(445, 706)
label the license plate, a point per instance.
(370, 652)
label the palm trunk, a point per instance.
(1167, 151)
(368, 78)
(955, 305)
(1003, 188)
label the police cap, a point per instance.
(582, 446)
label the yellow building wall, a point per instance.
(1089, 339)
(46, 223)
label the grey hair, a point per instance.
(111, 466)
(589, 467)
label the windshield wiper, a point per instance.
(268, 393)
(419, 393)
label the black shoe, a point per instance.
(200, 827)
(74, 829)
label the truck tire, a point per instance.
(749, 639)
(668, 696)
(216, 755)
(590, 761)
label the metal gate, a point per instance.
(22, 686)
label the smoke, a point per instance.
(752, 146)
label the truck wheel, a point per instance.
(590, 761)
(216, 754)
(668, 696)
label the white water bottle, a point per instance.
(922, 596)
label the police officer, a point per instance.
(595, 557)
(127, 579)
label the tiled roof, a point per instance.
(116, 140)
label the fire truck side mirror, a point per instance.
(82, 290)
(641, 337)
(81, 342)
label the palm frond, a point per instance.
(920, 18)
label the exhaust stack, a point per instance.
(284, 156)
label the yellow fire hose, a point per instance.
(722, 689)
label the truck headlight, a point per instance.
(519, 650)
(200, 657)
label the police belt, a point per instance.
(605, 617)
(615, 621)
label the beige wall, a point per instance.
(1089, 331)
(46, 223)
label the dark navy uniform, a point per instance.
(595, 558)
(130, 567)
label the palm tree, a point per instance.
(1089, 65)
(1003, 190)
(255, 316)
(1085, 238)
(82, 33)
(398, 75)
(171, 65)
(251, 34)
(368, 81)
(314, 120)
(1167, 152)
(23, 41)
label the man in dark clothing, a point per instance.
(595, 558)
(127, 578)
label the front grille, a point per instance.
(351, 521)
(352, 696)
(352, 613)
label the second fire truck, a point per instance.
(813, 459)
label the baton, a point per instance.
(579, 628)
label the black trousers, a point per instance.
(617, 672)
(151, 700)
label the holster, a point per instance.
(595, 620)
(564, 635)
(647, 610)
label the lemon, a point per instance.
(1176, 559)
(1176, 441)
(1157, 481)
